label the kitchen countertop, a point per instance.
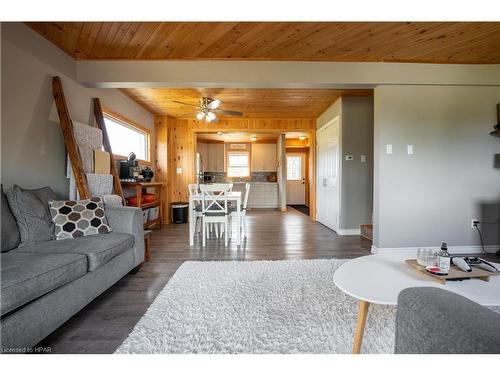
(255, 182)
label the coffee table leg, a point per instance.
(360, 328)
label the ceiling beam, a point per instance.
(279, 74)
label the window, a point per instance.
(294, 168)
(126, 138)
(238, 164)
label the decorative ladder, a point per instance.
(71, 146)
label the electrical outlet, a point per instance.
(474, 223)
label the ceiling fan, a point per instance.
(208, 109)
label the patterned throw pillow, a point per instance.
(79, 218)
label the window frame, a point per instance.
(247, 153)
(135, 126)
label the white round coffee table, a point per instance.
(379, 278)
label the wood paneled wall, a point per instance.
(255, 124)
(162, 169)
(176, 148)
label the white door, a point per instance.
(295, 178)
(327, 172)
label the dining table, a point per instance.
(232, 196)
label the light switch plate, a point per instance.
(349, 157)
(388, 149)
(363, 158)
(178, 170)
(409, 149)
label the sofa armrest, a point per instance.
(433, 320)
(124, 219)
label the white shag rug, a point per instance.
(289, 306)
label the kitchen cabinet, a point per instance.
(263, 195)
(264, 157)
(213, 156)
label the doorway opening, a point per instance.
(298, 172)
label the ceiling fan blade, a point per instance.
(226, 112)
(188, 104)
(214, 104)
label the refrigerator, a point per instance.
(200, 171)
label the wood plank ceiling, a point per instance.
(426, 42)
(254, 103)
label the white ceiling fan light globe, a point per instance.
(214, 104)
(211, 116)
(200, 115)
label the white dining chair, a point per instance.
(193, 190)
(214, 208)
(243, 212)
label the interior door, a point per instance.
(327, 172)
(295, 178)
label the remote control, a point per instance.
(487, 266)
(461, 263)
(473, 261)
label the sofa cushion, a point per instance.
(79, 218)
(10, 231)
(99, 249)
(31, 210)
(26, 276)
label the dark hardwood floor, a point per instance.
(105, 323)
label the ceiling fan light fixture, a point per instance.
(200, 115)
(214, 104)
(211, 116)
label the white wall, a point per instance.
(431, 196)
(356, 139)
(357, 177)
(33, 152)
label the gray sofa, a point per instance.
(435, 321)
(45, 284)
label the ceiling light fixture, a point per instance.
(302, 137)
(220, 133)
(200, 115)
(211, 116)
(253, 138)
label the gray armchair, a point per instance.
(435, 321)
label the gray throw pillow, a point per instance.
(31, 210)
(79, 218)
(10, 232)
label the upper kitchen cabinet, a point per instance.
(263, 157)
(213, 156)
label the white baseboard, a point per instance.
(348, 232)
(451, 250)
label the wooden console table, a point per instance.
(140, 189)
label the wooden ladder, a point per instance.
(71, 146)
(99, 117)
